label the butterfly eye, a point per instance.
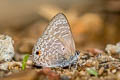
(38, 53)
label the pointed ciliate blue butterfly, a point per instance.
(56, 47)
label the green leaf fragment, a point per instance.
(24, 61)
(92, 71)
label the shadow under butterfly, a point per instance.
(56, 47)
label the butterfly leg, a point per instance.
(75, 65)
(70, 65)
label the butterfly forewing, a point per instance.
(56, 43)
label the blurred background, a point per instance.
(94, 23)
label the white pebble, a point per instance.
(6, 48)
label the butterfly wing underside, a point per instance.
(56, 43)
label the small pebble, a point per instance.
(101, 70)
(114, 71)
(30, 62)
(4, 66)
(64, 77)
(111, 49)
(82, 73)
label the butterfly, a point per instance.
(55, 47)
